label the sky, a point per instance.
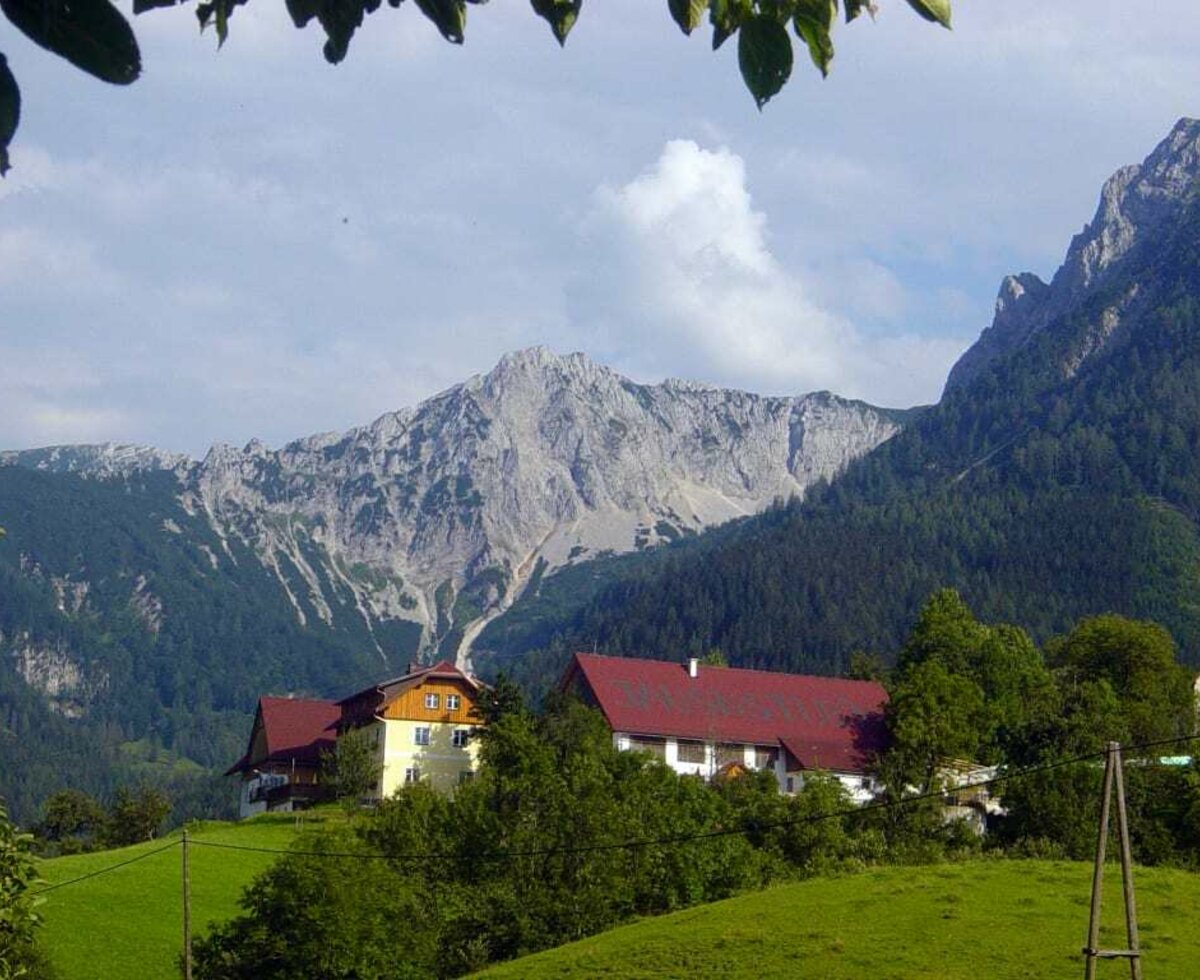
(250, 243)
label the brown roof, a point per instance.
(824, 722)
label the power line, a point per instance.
(710, 834)
(664, 840)
(101, 871)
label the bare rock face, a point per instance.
(441, 514)
(1137, 204)
(53, 670)
(109, 459)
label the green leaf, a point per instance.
(688, 13)
(764, 56)
(449, 16)
(91, 34)
(217, 12)
(813, 21)
(10, 116)
(726, 17)
(302, 11)
(856, 7)
(936, 11)
(560, 14)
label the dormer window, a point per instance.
(433, 701)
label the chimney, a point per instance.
(693, 667)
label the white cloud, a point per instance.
(183, 239)
(689, 263)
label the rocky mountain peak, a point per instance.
(1136, 204)
(440, 515)
(539, 366)
(547, 459)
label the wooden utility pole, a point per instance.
(187, 911)
(1092, 952)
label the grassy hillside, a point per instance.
(129, 922)
(994, 919)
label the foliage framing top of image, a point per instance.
(95, 37)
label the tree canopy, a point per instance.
(18, 920)
(95, 37)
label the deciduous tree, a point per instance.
(1138, 661)
(94, 36)
(135, 816)
(71, 819)
(352, 769)
(18, 920)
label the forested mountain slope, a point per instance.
(123, 653)
(147, 599)
(1058, 476)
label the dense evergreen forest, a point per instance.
(1041, 493)
(138, 696)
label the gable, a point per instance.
(409, 704)
(291, 731)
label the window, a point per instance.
(433, 701)
(791, 784)
(655, 746)
(465, 776)
(412, 775)
(459, 737)
(764, 758)
(452, 702)
(421, 736)
(727, 753)
(690, 751)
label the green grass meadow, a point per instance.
(127, 924)
(982, 920)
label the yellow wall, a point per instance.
(439, 762)
(393, 736)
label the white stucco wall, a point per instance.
(860, 788)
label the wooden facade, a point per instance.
(411, 704)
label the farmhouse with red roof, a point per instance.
(418, 726)
(699, 719)
(280, 767)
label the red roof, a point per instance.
(824, 722)
(295, 730)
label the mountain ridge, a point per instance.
(441, 513)
(1137, 203)
(1058, 477)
